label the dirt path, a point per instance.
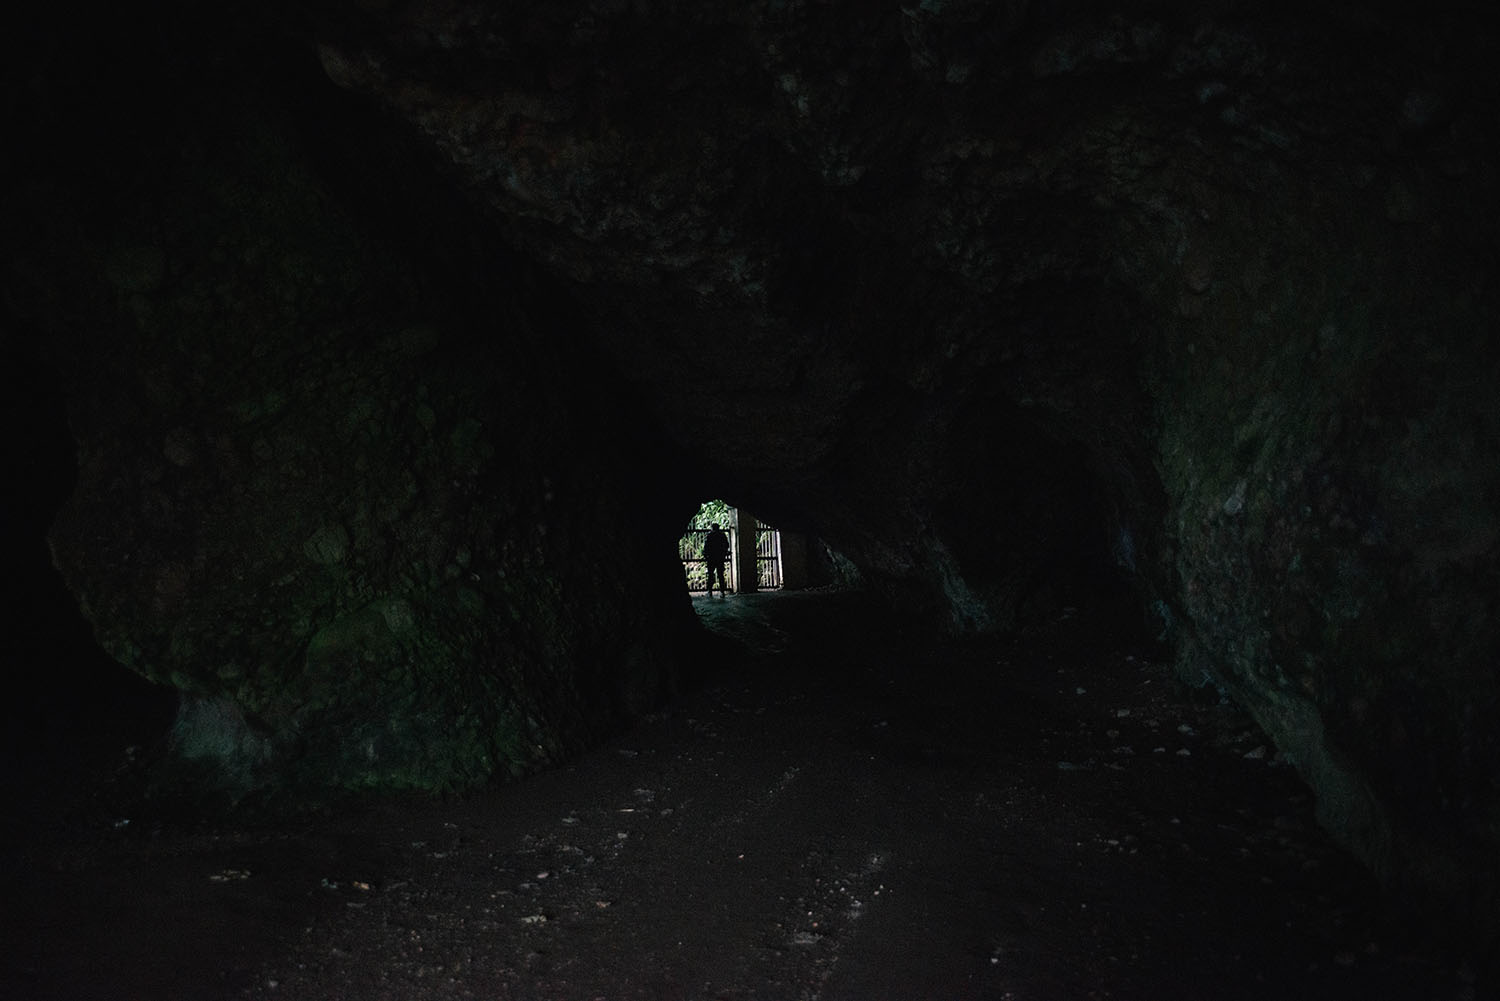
(1030, 820)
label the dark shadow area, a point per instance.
(846, 806)
(73, 711)
(1089, 826)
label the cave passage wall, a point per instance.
(1000, 299)
(337, 482)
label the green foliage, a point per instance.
(712, 511)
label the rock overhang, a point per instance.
(1214, 278)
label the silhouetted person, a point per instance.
(715, 552)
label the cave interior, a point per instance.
(365, 362)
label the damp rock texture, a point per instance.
(1003, 301)
(363, 511)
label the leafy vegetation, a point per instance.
(712, 511)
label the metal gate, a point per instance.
(767, 558)
(695, 567)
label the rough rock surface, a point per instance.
(318, 478)
(994, 298)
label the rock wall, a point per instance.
(1329, 438)
(376, 519)
(1002, 300)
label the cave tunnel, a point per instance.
(1123, 381)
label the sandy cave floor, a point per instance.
(838, 814)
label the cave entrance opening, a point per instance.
(757, 558)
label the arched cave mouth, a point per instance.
(389, 360)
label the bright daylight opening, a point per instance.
(749, 552)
